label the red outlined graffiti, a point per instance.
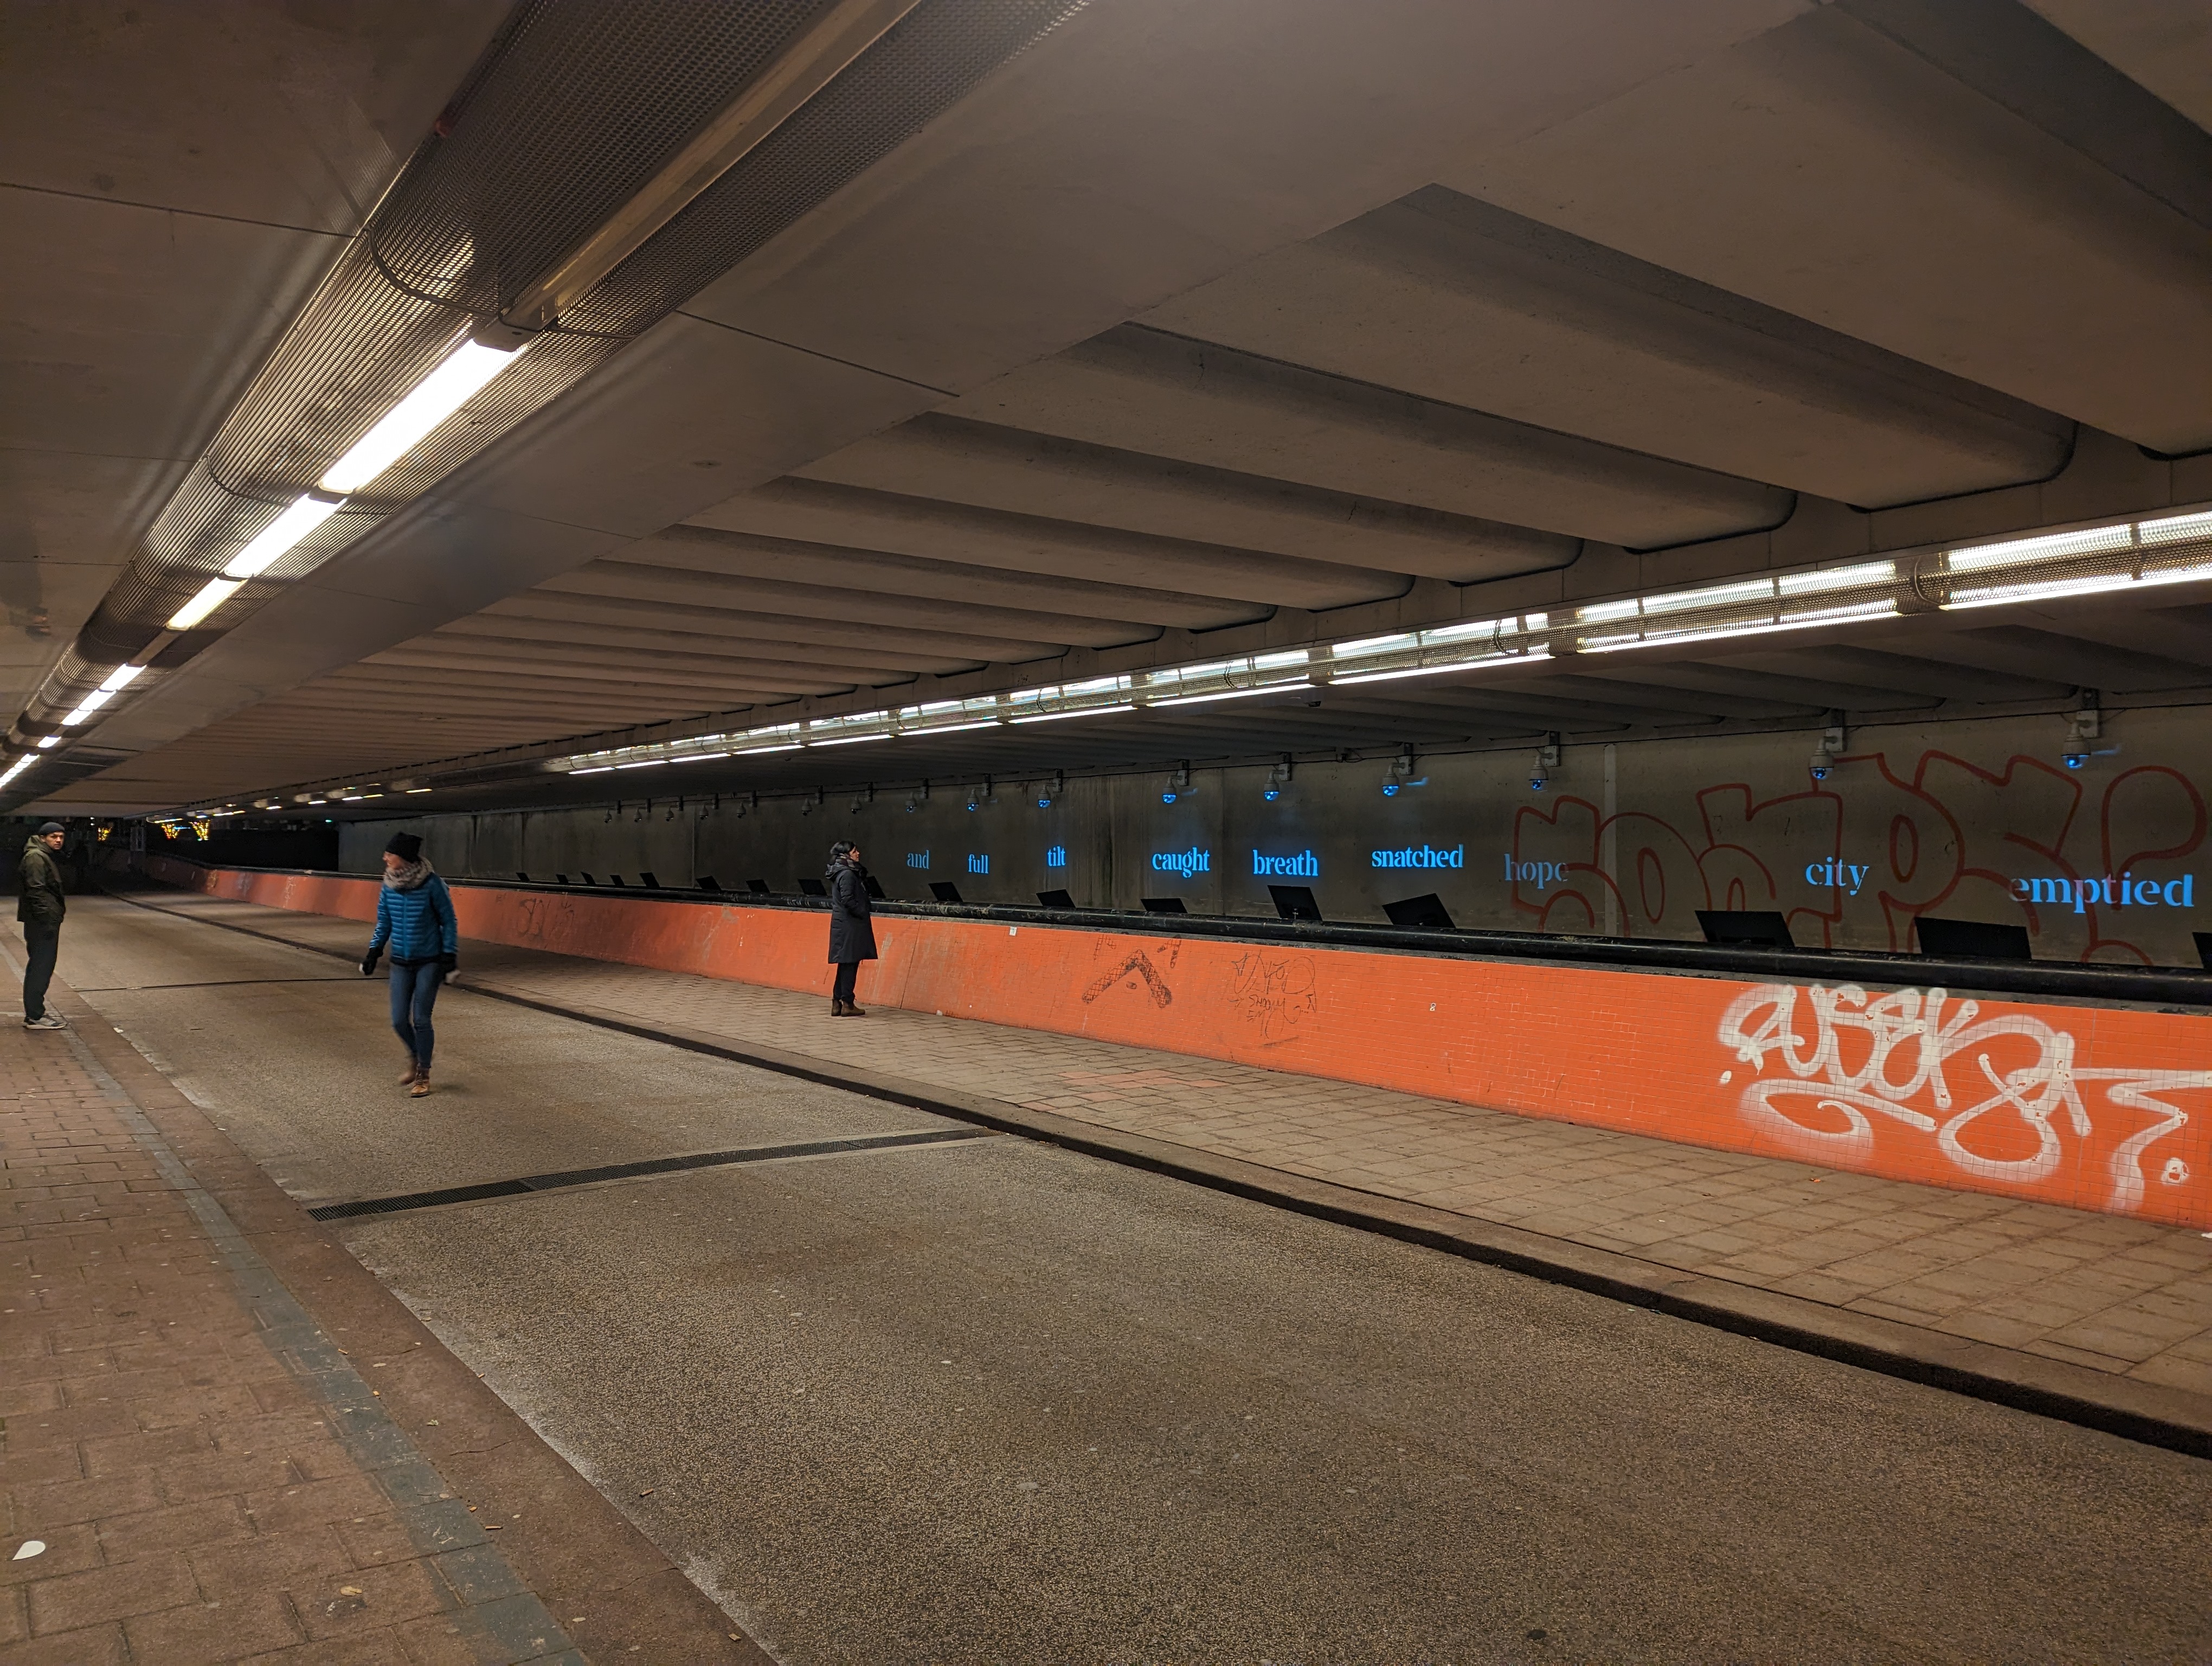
(1940, 835)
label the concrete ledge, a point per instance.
(2170, 1418)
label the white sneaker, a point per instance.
(51, 1021)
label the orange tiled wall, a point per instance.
(2099, 1108)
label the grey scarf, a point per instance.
(408, 876)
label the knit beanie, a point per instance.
(407, 847)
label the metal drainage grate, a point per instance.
(705, 1160)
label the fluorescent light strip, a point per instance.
(1746, 607)
(463, 374)
(1533, 656)
(1201, 699)
(117, 680)
(1720, 633)
(2053, 546)
(953, 728)
(278, 537)
(212, 595)
(1084, 711)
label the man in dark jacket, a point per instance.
(852, 938)
(40, 902)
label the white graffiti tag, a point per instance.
(1888, 1057)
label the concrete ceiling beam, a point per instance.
(410, 671)
(1801, 688)
(1459, 301)
(1142, 390)
(1842, 177)
(881, 664)
(645, 651)
(829, 514)
(967, 651)
(2027, 651)
(1901, 672)
(871, 571)
(634, 579)
(986, 465)
(2164, 48)
(734, 686)
(1651, 702)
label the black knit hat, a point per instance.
(407, 847)
(45, 828)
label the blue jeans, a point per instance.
(414, 993)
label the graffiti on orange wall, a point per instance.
(1852, 861)
(2000, 1099)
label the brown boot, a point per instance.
(852, 1011)
(836, 1008)
(421, 1088)
(413, 1070)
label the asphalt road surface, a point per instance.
(989, 1400)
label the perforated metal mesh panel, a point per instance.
(587, 101)
(575, 106)
(933, 57)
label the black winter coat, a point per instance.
(851, 936)
(40, 900)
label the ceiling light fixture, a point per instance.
(2169, 550)
(308, 511)
(2166, 550)
(463, 374)
(1743, 607)
(117, 680)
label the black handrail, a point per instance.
(2151, 985)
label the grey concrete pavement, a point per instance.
(995, 1402)
(512, 1088)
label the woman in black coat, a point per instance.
(852, 939)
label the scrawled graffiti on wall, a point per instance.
(2005, 1099)
(2098, 868)
(1274, 995)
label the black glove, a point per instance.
(368, 962)
(448, 964)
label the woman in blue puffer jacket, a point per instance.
(415, 916)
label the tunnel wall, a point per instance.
(1958, 818)
(2097, 1108)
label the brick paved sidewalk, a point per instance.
(209, 1477)
(2119, 1296)
(212, 1476)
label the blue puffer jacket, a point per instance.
(418, 924)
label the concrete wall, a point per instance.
(1957, 818)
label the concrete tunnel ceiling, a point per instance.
(1178, 333)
